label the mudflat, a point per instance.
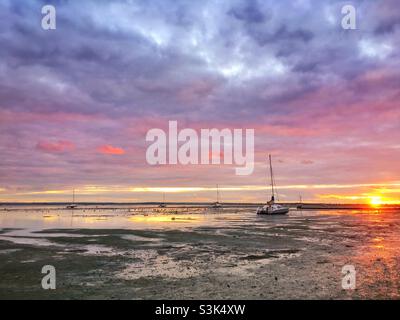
(199, 254)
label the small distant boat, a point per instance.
(72, 205)
(300, 205)
(163, 205)
(271, 207)
(217, 205)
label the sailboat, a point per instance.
(271, 207)
(163, 205)
(217, 205)
(73, 205)
(300, 205)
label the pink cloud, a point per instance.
(60, 146)
(108, 149)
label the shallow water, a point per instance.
(107, 217)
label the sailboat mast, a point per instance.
(73, 196)
(217, 194)
(272, 179)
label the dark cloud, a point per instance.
(281, 35)
(387, 26)
(249, 12)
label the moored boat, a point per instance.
(217, 205)
(72, 205)
(271, 207)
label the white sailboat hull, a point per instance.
(273, 210)
(216, 206)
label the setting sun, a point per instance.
(376, 201)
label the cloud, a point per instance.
(374, 50)
(60, 146)
(249, 12)
(108, 149)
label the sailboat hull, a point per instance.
(266, 210)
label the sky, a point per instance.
(76, 102)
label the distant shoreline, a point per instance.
(303, 206)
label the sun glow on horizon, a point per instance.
(374, 195)
(376, 201)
